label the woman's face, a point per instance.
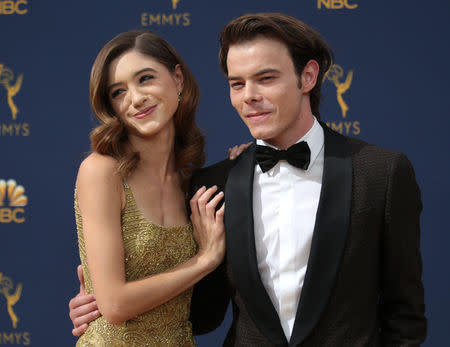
(143, 93)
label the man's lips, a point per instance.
(145, 112)
(257, 115)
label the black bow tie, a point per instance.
(297, 155)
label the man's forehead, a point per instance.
(257, 57)
(259, 41)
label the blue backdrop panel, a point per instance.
(389, 86)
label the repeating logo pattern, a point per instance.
(334, 75)
(12, 201)
(13, 192)
(175, 4)
(173, 18)
(336, 4)
(12, 296)
(12, 87)
(342, 81)
(13, 7)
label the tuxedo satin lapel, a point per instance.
(241, 248)
(329, 237)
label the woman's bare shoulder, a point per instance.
(98, 168)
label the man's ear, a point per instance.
(309, 76)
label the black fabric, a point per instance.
(363, 283)
(298, 155)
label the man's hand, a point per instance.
(83, 308)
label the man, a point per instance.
(323, 236)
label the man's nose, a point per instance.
(251, 93)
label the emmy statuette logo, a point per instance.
(342, 82)
(13, 194)
(12, 88)
(175, 4)
(12, 296)
(334, 75)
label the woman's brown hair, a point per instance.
(111, 137)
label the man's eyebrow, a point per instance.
(134, 75)
(257, 74)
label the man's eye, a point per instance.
(236, 84)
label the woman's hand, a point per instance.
(236, 151)
(209, 230)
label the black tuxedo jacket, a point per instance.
(363, 282)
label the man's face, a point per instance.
(264, 90)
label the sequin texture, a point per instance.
(149, 249)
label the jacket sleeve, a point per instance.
(211, 295)
(403, 321)
(210, 301)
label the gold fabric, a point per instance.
(149, 249)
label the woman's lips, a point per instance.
(145, 112)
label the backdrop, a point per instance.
(389, 86)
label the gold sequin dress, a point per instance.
(149, 249)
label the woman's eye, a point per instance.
(145, 78)
(116, 93)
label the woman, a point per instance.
(137, 246)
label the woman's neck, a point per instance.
(157, 154)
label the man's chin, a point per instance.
(259, 135)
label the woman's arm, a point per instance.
(235, 151)
(99, 191)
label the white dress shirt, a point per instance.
(285, 201)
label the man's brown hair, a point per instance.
(303, 43)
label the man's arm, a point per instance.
(211, 295)
(402, 295)
(210, 300)
(83, 308)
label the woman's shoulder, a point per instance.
(97, 168)
(99, 162)
(99, 182)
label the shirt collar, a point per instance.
(314, 138)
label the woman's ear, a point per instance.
(179, 79)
